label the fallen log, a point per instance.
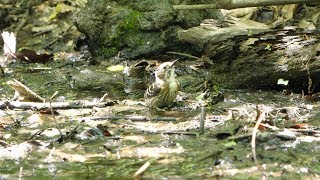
(248, 54)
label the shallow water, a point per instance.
(224, 150)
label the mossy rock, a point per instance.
(135, 28)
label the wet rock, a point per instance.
(286, 135)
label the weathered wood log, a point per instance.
(252, 55)
(212, 32)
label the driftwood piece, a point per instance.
(24, 92)
(54, 105)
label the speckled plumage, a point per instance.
(163, 91)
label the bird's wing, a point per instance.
(152, 90)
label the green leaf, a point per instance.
(115, 68)
(283, 82)
(231, 143)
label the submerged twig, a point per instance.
(52, 112)
(35, 134)
(214, 155)
(16, 122)
(240, 137)
(305, 131)
(182, 133)
(132, 118)
(71, 134)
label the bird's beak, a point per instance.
(172, 69)
(173, 62)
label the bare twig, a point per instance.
(21, 173)
(308, 69)
(202, 119)
(2, 71)
(55, 105)
(142, 169)
(259, 118)
(52, 113)
(58, 37)
(184, 54)
(69, 135)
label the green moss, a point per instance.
(131, 21)
(125, 34)
(107, 51)
(128, 28)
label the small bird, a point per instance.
(164, 89)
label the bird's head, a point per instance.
(165, 70)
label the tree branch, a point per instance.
(233, 4)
